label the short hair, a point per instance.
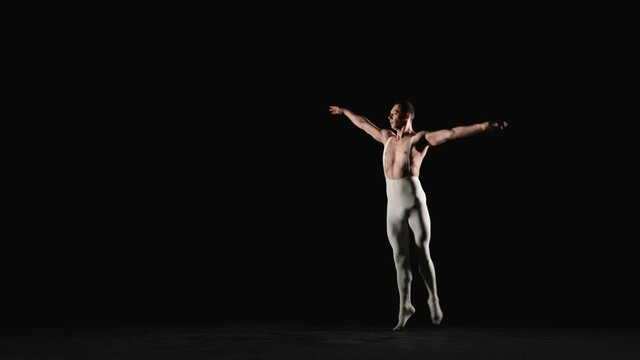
(406, 107)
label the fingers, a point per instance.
(500, 125)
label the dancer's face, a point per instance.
(396, 121)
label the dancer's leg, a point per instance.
(420, 223)
(398, 233)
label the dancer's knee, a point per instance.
(401, 258)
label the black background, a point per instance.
(196, 177)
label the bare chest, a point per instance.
(397, 158)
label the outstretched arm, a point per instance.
(441, 136)
(361, 122)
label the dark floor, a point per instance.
(294, 341)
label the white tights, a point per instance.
(407, 211)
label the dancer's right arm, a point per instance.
(362, 122)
